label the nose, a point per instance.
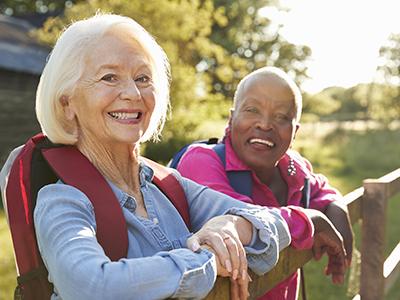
(130, 91)
(264, 123)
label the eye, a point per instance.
(251, 109)
(143, 79)
(282, 118)
(109, 78)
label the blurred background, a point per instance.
(345, 56)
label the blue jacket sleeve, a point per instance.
(272, 232)
(66, 234)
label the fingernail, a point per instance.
(228, 265)
(244, 274)
(195, 246)
(235, 274)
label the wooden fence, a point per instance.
(367, 204)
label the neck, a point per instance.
(267, 175)
(118, 163)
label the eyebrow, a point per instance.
(108, 66)
(116, 66)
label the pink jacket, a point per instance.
(201, 164)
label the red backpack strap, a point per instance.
(74, 169)
(170, 186)
(32, 279)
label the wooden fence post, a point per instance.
(373, 214)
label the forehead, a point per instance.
(265, 87)
(114, 48)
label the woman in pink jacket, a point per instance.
(262, 127)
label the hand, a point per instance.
(225, 235)
(239, 287)
(339, 216)
(328, 240)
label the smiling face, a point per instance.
(114, 98)
(263, 123)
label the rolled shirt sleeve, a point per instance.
(272, 231)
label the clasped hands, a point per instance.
(225, 236)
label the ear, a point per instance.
(231, 112)
(66, 104)
(295, 131)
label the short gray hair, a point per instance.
(65, 66)
(298, 101)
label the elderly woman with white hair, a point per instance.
(105, 90)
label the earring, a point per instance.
(291, 168)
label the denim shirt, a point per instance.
(158, 264)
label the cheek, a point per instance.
(240, 126)
(149, 97)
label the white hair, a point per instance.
(298, 101)
(65, 66)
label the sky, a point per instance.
(344, 35)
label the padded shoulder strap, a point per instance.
(169, 185)
(240, 181)
(73, 168)
(20, 209)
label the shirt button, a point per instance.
(155, 221)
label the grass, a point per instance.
(7, 266)
(345, 157)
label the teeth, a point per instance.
(264, 142)
(123, 115)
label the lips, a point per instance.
(125, 115)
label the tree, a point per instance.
(23, 7)
(250, 40)
(387, 106)
(191, 31)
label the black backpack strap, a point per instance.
(174, 162)
(240, 181)
(305, 193)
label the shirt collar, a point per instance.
(145, 175)
(233, 163)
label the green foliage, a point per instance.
(322, 104)
(390, 57)
(379, 102)
(210, 45)
(21, 7)
(250, 40)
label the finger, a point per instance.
(244, 287)
(243, 265)
(232, 246)
(234, 289)
(217, 243)
(349, 252)
(317, 250)
(193, 243)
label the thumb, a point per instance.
(317, 250)
(193, 243)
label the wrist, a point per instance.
(244, 229)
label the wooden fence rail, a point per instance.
(367, 204)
